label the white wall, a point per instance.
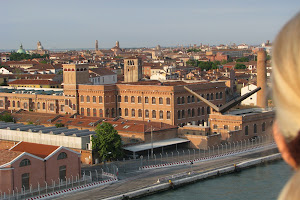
(252, 100)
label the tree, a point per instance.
(240, 66)
(58, 125)
(6, 117)
(242, 59)
(107, 142)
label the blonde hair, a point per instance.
(285, 80)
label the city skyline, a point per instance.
(60, 25)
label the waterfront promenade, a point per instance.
(135, 180)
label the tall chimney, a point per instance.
(96, 45)
(261, 78)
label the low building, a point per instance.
(33, 83)
(29, 166)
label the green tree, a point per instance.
(240, 66)
(59, 125)
(107, 142)
(242, 59)
(6, 117)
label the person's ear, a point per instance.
(283, 147)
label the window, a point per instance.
(25, 181)
(146, 100)
(25, 105)
(198, 111)
(188, 99)
(153, 114)
(44, 106)
(246, 130)
(132, 99)
(178, 100)
(146, 113)
(100, 113)
(107, 112)
(88, 112)
(94, 99)
(193, 99)
(126, 111)
(255, 128)
(51, 106)
(236, 128)
(182, 100)
(183, 114)
(87, 98)
(120, 111)
(161, 114)
(193, 112)
(126, 99)
(203, 111)
(160, 100)
(226, 127)
(82, 111)
(217, 95)
(62, 172)
(119, 98)
(168, 101)
(221, 95)
(25, 162)
(18, 104)
(207, 97)
(139, 99)
(62, 108)
(215, 126)
(62, 155)
(94, 112)
(38, 105)
(208, 110)
(263, 127)
(132, 113)
(140, 113)
(66, 102)
(112, 112)
(153, 100)
(81, 98)
(13, 104)
(178, 114)
(211, 96)
(168, 115)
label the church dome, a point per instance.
(21, 50)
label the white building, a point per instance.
(102, 76)
(252, 100)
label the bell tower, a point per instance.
(132, 69)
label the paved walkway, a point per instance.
(141, 179)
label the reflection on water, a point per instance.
(262, 182)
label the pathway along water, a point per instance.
(261, 182)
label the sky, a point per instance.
(65, 24)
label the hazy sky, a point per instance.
(140, 23)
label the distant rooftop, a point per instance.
(247, 111)
(42, 91)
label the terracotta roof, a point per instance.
(102, 71)
(33, 82)
(40, 150)
(6, 156)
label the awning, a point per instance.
(158, 144)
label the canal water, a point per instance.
(261, 182)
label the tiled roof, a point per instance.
(6, 156)
(102, 71)
(40, 150)
(33, 82)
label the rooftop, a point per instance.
(6, 156)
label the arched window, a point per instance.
(217, 95)
(44, 106)
(188, 99)
(81, 98)
(221, 95)
(147, 113)
(161, 114)
(100, 99)
(112, 112)
(126, 99)
(183, 114)
(178, 114)
(153, 114)
(178, 100)
(132, 99)
(14, 104)
(263, 127)
(61, 156)
(132, 113)
(168, 115)
(207, 97)
(146, 100)
(168, 101)
(153, 100)
(126, 111)
(139, 99)
(87, 98)
(189, 112)
(100, 113)
(94, 112)
(211, 96)
(203, 111)
(193, 99)
(255, 128)
(107, 112)
(226, 127)
(160, 100)
(193, 112)
(38, 105)
(119, 98)
(215, 126)
(88, 111)
(25, 162)
(198, 111)
(120, 111)
(140, 113)
(208, 110)
(94, 99)
(18, 104)
(182, 100)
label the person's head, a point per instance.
(286, 90)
